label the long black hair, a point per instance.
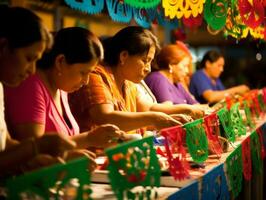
(211, 56)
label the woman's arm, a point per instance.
(103, 113)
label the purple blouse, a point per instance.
(164, 90)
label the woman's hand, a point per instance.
(162, 120)
(76, 153)
(196, 111)
(182, 118)
(105, 135)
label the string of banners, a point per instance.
(236, 18)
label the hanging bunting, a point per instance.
(249, 120)
(189, 192)
(88, 6)
(182, 8)
(144, 17)
(196, 140)
(193, 22)
(165, 21)
(211, 125)
(257, 164)
(215, 13)
(143, 3)
(238, 126)
(252, 12)
(246, 159)
(262, 142)
(261, 103)
(134, 164)
(224, 118)
(264, 95)
(234, 171)
(119, 11)
(214, 185)
(255, 103)
(176, 152)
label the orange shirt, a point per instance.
(102, 89)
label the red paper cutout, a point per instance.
(246, 159)
(176, 153)
(193, 22)
(260, 133)
(252, 14)
(212, 130)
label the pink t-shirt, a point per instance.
(31, 102)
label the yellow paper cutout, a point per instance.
(182, 8)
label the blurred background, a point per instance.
(245, 59)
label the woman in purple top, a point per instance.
(205, 84)
(173, 62)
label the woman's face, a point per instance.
(215, 69)
(180, 69)
(136, 67)
(74, 76)
(17, 64)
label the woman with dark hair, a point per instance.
(206, 85)
(23, 39)
(40, 106)
(112, 95)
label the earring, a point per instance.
(170, 70)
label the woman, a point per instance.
(166, 84)
(206, 85)
(112, 94)
(40, 105)
(18, 56)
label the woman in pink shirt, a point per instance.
(40, 105)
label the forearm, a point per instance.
(14, 156)
(126, 120)
(172, 109)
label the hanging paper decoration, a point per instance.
(144, 17)
(193, 22)
(261, 103)
(88, 6)
(182, 8)
(176, 152)
(257, 164)
(252, 12)
(264, 95)
(119, 11)
(134, 164)
(196, 140)
(246, 159)
(214, 185)
(143, 3)
(249, 120)
(51, 182)
(255, 104)
(189, 192)
(262, 142)
(234, 171)
(224, 118)
(215, 13)
(212, 130)
(238, 126)
(165, 21)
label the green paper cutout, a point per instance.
(261, 102)
(234, 171)
(143, 3)
(224, 117)
(257, 164)
(48, 183)
(196, 140)
(249, 121)
(238, 126)
(134, 164)
(215, 13)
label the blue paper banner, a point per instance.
(88, 6)
(119, 11)
(214, 185)
(190, 192)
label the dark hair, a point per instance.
(134, 39)
(211, 56)
(21, 27)
(77, 44)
